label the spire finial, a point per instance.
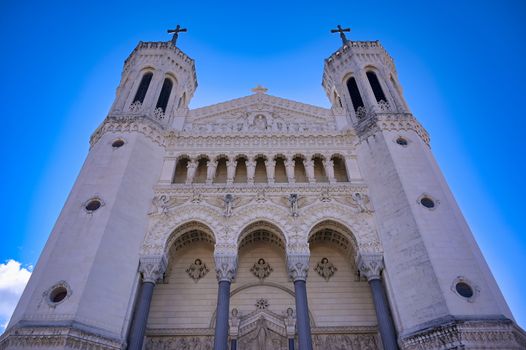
(176, 32)
(342, 33)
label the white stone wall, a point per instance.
(97, 254)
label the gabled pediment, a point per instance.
(260, 112)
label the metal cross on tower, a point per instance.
(176, 32)
(342, 33)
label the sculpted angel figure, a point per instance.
(363, 202)
(293, 200)
(197, 270)
(162, 204)
(229, 202)
(325, 269)
(261, 269)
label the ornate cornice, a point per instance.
(376, 122)
(63, 337)
(128, 124)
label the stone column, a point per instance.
(270, 164)
(226, 266)
(289, 168)
(190, 171)
(151, 269)
(251, 170)
(298, 266)
(230, 171)
(371, 266)
(329, 170)
(211, 167)
(309, 170)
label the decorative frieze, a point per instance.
(56, 337)
(490, 334)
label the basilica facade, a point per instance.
(261, 223)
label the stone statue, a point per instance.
(197, 270)
(363, 202)
(261, 269)
(293, 200)
(325, 269)
(229, 202)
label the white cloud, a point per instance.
(13, 279)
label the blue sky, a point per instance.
(461, 65)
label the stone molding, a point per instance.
(370, 265)
(129, 124)
(226, 267)
(472, 334)
(47, 336)
(376, 122)
(152, 268)
(298, 266)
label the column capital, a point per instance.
(370, 265)
(298, 266)
(226, 267)
(152, 268)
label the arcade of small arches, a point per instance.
(261, 168)
(261, 287)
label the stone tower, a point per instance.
(434, 271)
(326, 228)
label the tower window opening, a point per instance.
(162, 102)
(143, 87)
(375, 85)
(356, 98)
